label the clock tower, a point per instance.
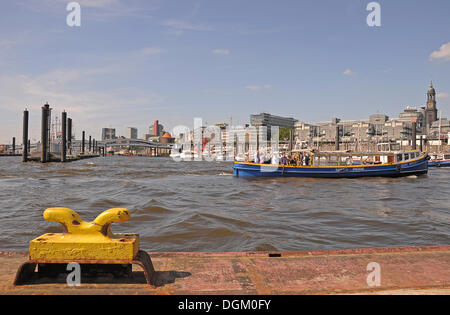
(431, 110)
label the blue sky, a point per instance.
(134, 61)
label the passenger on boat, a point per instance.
(298, 160)
(284, 160)
(257, 157)
(306, 159)
(349, 161)
(292, 160)
(275, 159)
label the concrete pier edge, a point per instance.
(403, 270)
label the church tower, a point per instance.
(431, 110)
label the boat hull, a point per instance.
(438, 163)
(414, 167)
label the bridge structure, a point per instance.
(152, 148)
(135, 143)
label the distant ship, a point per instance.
(439, 160)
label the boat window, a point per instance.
(399, 158)
(396, 146)
(406, 156)
(447, 157)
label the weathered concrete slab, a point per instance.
(412, 270)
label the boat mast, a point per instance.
(440, 126)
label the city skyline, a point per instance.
(131, 62)
(110, 132)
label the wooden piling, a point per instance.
(337, 139)
(25, 144)
(83, 140)
(291, 140)
(69, 135)
(44, 134)
(63, 136)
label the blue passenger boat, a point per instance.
(343, 165)
(439, 160)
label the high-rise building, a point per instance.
(268, 120)
(108, 134)
(223, 127)
(132, 133)
(156, 130)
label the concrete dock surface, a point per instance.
(405, 270)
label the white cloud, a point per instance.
(253, 87)
(7, 44)
(70, 90)
(442, 54)
(221, 51)
(59, 88)
(258, 87)
(349, 72)
(178, 27)
(149, 51)
(38, 5)
(95, 3)
(96, 10)
(443, 95)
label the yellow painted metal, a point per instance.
(83, 240)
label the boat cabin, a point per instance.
(388, 147)
(440, 157)
(406, 156)
(358, 159)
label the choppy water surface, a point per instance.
(200, 206)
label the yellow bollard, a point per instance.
(85, 243)
(83, 240)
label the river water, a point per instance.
(201, 206)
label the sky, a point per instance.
(134, 61)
